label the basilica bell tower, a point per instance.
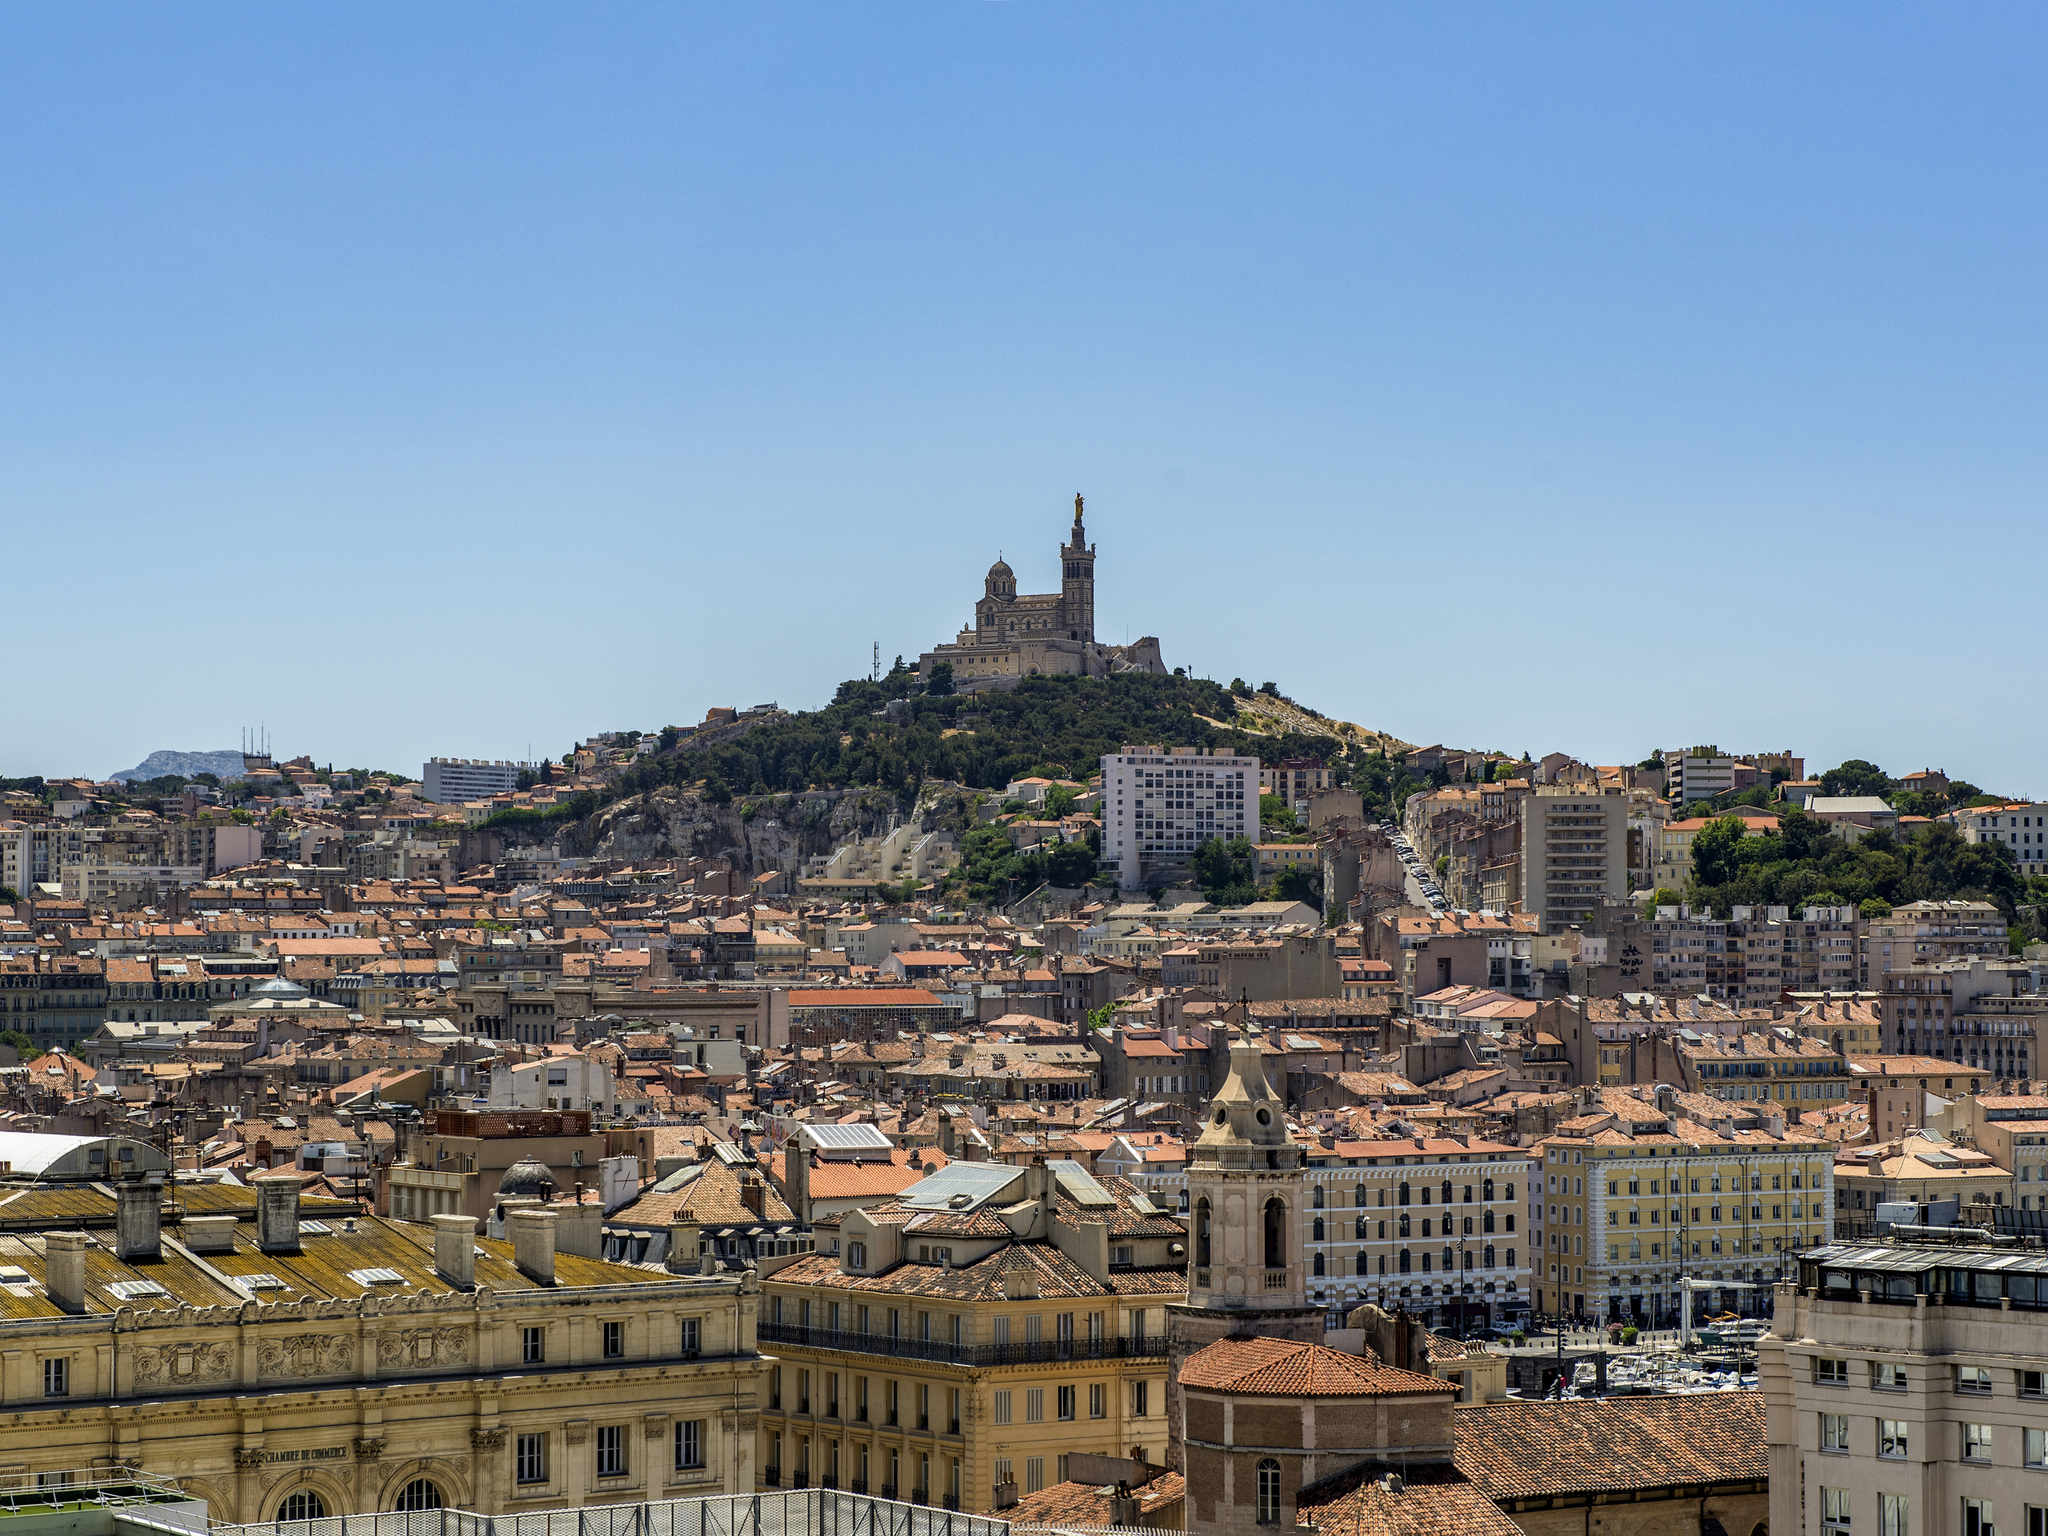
(1247, 1190)
(1077, 581)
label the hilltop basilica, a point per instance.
(1051, 632)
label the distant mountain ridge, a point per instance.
(223, 765)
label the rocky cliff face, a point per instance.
(758, 833)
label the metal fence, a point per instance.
(800, 1512)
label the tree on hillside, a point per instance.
(1855, 777)
(1225, 871)
(939, 684)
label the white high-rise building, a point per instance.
(1160, 804)
(455, 780)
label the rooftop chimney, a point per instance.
(64, 1256)
(455, 1250)
(209, 1234)
(277, 1213)
(533, 1242)
(138, 1210)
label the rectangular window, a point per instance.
(611, 1450)
(1891, 1515)
(1973, 1379)
(1098, 1404)
(1834, 1511)
(2033, 1383)
(1830, 1373)
(530, 1459)
(1888, 1377)
(1977, 1519)
(2036, 1443)
(1893, 1438)
(1004, 1473)
(1002, 1408)
(692, 1336)
(1034, 1473)
(689, 1445)
(1141, 1399)
(534, 1344)
(1834, 1432)
(1066, 1404)
(614, 1341)
(1976, 1442)
(56, 1378)
(1034, 1405)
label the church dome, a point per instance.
(529, 1178)
(1001, 571)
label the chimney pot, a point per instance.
(138, 1216)
(455, 1250)
(64, 1258)
(533, 1242)
(277, 1213)
(208, 1234)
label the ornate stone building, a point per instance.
(289, 1363)
(1247, 1187)
(1049, 632)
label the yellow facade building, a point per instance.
(286, 1361)
(1632, 1199)
(970, 1334)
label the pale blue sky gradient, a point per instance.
(453, 378)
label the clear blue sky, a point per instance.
(453, 379)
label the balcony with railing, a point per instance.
(945, 1352)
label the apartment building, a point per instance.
(1638, 1194)
(970, 1335)
(455, 780)
(1753, 956)
(1574, 852)
(1160, 804)
(1905, 1392)
(1929, 931)
(1297, 780)
(55, 999)
(1426, 1225)
(1777, 1069)
(2021, 826)
(1903, 1092)
(2013, 1129)
(1701, 773)
(1983, 1013)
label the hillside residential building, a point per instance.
(1905, 1093)
(1929, 931)
(2021, 826)
(1983, 1013)
(1574, 852)
(1905, 1392)
(457, 780)
(1160, 805)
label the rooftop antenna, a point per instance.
(875, 665)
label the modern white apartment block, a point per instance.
(456, 780)
(1160, 804)
(2021, 826)
(1906, 1392)
(1574, 852)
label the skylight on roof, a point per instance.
(378, 1276)
(260, 1282)
(14, 1274)
(317, 1228)
(132, 1290)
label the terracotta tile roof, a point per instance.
(1429, 1501)
(1260, 1367)
(1611, 1445)
(1094, 1503)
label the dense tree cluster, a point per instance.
(993, 870)
(1805, 862)
(894, 734)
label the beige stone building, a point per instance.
(285, 1360)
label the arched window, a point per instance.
(1404, 1261)
(1404, 1192)
(1403, 1223)
(1361, 1194)
(1488, 1188)
(1183, 1202)
(1468, 1194)
(420, 1493)
(1276, 1233)
(1316, 1230)
(1202, 1233)
(1447, 1191)
(1489, 1263)
(1315, 1198)
(303, 1505)
(1316, 1265)
(1268, 1507)
(1358, 1230)
(1486, 1222)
